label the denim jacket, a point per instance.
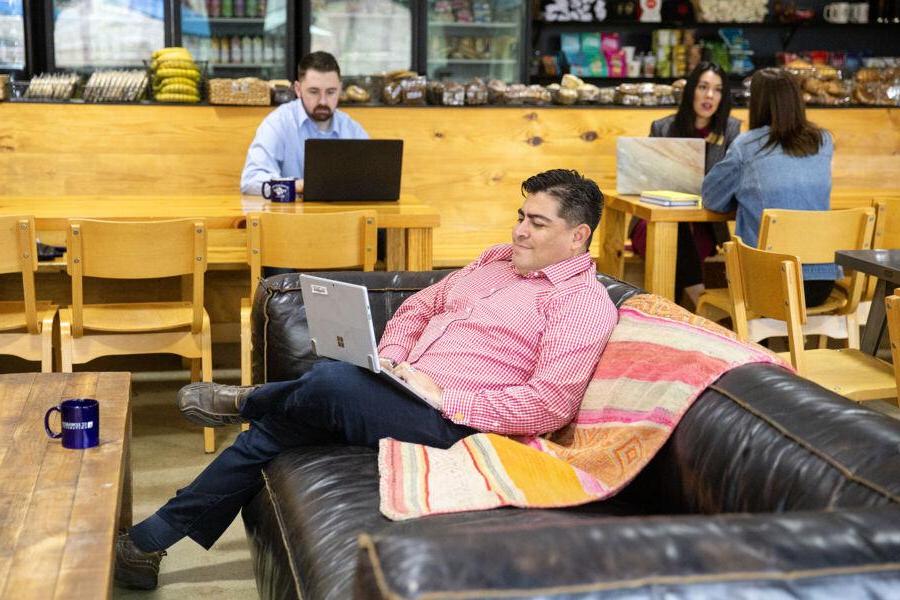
(750, 179)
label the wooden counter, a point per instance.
(467, 163)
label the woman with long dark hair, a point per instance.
(783, 161)
(704, 112)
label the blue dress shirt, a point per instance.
(279, 145)
(750, 179)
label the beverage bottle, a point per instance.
(247, 49)
(250, 8)
(279, 50)
(261, 8)
(268, 50)
(258, 54)
(227, 8)
(215, 50)
(224, 50)
(236, 55)
(238, 8)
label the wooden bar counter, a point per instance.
(467, 163)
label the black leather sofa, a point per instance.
(770, 487)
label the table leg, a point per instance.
(875, 324)
(395, 251)
(418, 249)
(662, 248)
(125, 505)
(611, 236)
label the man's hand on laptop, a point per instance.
(432, 393)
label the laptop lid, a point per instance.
(340, 321)
(659, 163)
(348, 170)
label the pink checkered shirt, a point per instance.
(512, 353)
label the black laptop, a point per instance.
(347, 170)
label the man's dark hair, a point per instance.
(580, 199)
(323, 62)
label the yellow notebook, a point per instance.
(670, 198)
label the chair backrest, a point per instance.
(813, 236)
(135, 250)
(18, 254)
(768, 284)
(887, 223)
(340, 240)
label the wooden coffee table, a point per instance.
(59, 508)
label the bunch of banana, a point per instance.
(176, 77)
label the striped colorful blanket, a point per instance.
(657, 362)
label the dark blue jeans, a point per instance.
(333, 403)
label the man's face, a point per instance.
(319, 93)
(541, 237)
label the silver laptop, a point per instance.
(340, 326)
(659, 163)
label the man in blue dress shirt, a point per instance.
(278, 148)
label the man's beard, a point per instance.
(320, 114)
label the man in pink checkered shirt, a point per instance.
(506, 344)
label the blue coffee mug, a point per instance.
(80, 423)
(279, 190)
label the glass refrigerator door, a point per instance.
(366, 36)
(12, 36)
(475, 38)
(238, 38)
(89, 34)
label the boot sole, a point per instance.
(207, 419)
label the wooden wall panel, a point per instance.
(467, 162)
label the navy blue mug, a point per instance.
(279, 190)
(80, 423)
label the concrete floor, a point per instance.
(167, 453)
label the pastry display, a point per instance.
(115, 86)
(53, 86)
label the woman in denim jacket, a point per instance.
(783, 161)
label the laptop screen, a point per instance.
(659, 163)
(352, 170)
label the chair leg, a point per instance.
(209, 434)
(852, 331)
(246, 371)
(65, 343)
(823, 341)
(47, 344)
(209, 440)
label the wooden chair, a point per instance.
(137, 250)
(770, 284)
(892, 310)
(26, 327)
(788, 232)
(885, 237)
(341, 240)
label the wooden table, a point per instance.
(59, 508)
(662, 238)
(409, 222)
(885, 265)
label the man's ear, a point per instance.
(297, 88)
(581, 234)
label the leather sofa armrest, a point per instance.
(804, 554)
